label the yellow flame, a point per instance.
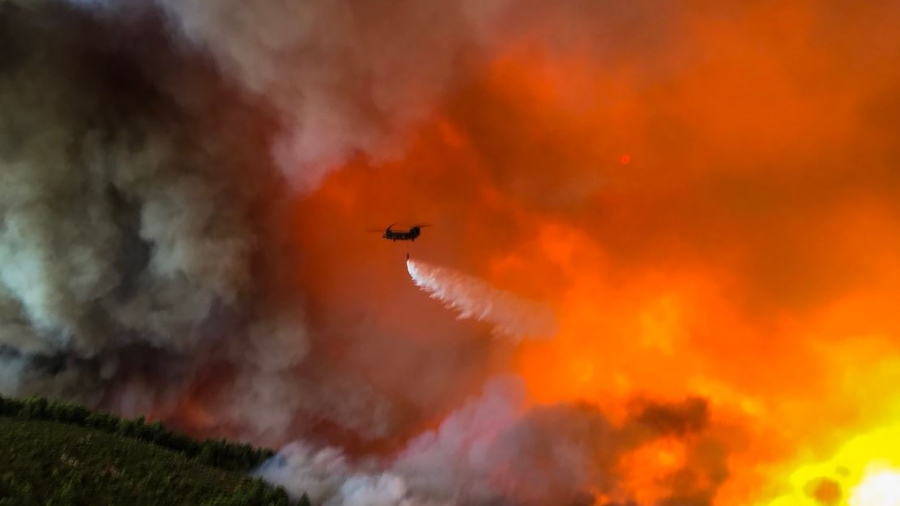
(868, 466)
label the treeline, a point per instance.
(75, 489)
(219, 453)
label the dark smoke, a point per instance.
(125, 197)
(139, 253)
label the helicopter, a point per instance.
(409, 234)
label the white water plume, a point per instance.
(512, 316)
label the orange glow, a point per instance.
(751, 259)
(648, 466)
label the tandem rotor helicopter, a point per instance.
(408, 234)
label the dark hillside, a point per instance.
(57, 453)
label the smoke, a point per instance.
(344, 77)
(140, 267)
(511, 316)
(497, 450)
(185, 186)
(123, 221)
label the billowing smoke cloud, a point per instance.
(123, 219)
(496, 450)
(347, 79)
(138, 261)
(511, 316)
(185, 186)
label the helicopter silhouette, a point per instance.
(409, 234)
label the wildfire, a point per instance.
(647, 468)
(682, 221)
(863, 472)
(749, 258)
(878, 488)
(701, 272)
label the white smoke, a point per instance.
(328, 479)
(512, 316)
(449, 466)
(496, 450)
(347, 78)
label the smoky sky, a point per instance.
(703, 197)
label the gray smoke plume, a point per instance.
(496, 450)
(122, 219)
(133, 182)
(347, 78)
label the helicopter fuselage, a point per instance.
(398, 235)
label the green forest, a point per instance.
(57, 453)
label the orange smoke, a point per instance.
(744, 250)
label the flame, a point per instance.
(878, 488)
(750, 257)
(863, 472)
(646, 468)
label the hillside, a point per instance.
(56, 453)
